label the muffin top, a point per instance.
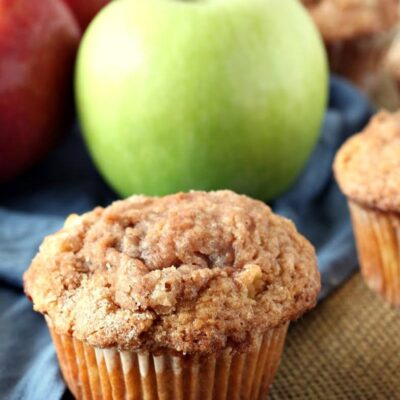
(348, 19)
(367, 167)
(191, 272)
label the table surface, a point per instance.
(346, 348)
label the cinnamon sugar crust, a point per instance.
(349, 19)
(191, 272)
(367, 167)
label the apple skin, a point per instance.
(38, 44)
(180, 95)
(85, 10)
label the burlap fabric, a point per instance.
(347, 348)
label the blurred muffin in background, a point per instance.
(357, 35)
(387, 94)
(393, 60)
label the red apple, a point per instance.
(85, 10)
(38, 43)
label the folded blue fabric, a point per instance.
(37, 203)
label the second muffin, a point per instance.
(367, 169)
(185, 296)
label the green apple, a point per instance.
(206, 94)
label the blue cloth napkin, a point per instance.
(37, 203)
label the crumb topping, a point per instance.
(348, 19)
(192, 272)
(367, 167)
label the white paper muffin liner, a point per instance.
(378, 243)
(93, 373)
(361, 59)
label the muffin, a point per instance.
(367, 168)
(357, 34)
(187, 296)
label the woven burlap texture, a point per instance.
(347, 348)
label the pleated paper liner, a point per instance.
(361, 59)
(377, 235)
(93, 373)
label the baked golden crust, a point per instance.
(367, 167)
(349, 19)
(191, 272)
